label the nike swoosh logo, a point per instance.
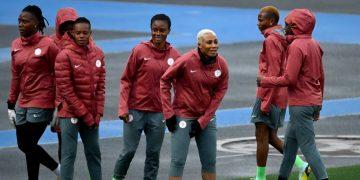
(76, 66)
(146, 59)
(253, 116)
(192, 71)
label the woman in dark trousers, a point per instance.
(140, 104)
(65, 18)
(32, 86)
(304, 78)
(270, 105)
(200, 81)
(80, 78)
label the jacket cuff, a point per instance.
(11, 105)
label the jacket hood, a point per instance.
(275, 30)
(278, 32)
(302, 21)
(63, 15)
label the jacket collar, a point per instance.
(33, 39)
(291, 38)
(152, 46)
(200, 58)
(273, 30)
(79, 49)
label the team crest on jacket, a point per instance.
(37, 52)
(182, 124)
(170, 61)
(98, 63)
(74, 120)
(217, 73)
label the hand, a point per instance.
(265, 113)
(195, 129)
(12, 117)
(316, 115)
(258, 80)
(55, 123)
(88, 119)
(125, 118)
(97, 119)
(94, 126)
(171, 123)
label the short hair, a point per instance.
(202, 32)
(36, 11)
(82, 20)
(161, 17)
(272, 12)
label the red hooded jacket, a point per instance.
(32, 67)
(63, 15)
(80, 78)
(272, 63)
(198, 88)
(140, 82)
(304, 74)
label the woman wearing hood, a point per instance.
(269, 110)
(65, 18)
(139, 104)
(304, 77)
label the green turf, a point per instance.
(341, 173)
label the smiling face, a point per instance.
(209, 45)
(264, 21)
(159, 31)
(81, 33)
(27, 24)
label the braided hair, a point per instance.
(36, 11)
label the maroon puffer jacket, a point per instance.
(62, 16)
(80, 78)
(32, 67)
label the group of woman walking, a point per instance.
(159, 88)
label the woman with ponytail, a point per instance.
(32, 87)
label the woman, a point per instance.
(304, 79)
(80, 79)
(65, 18)
(140, 104)
(201, 77)
(32, 66)
(270, 105)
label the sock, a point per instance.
(299, 163)
(57, 171)
(260, 173)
